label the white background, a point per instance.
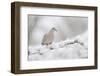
(5, 41)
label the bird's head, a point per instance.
(54, 29)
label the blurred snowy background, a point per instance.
(70, 41)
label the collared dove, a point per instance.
(49, 37)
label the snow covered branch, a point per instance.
(67, 49)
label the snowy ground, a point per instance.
(74, 48)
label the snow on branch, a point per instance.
(67, 49)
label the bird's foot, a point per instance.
(51, 48)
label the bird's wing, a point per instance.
(44, 39)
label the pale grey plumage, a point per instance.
(48, 37)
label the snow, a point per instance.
(73, 48)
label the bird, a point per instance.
(49, 37)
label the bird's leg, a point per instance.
(50, 46)
(47, 45)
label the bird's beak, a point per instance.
(56, 30)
